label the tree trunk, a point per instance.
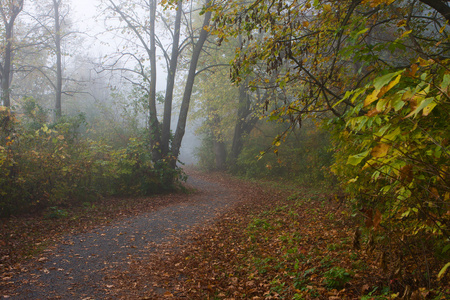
(9, 18)
(220, 154)
(165, 136)
(219, 149)
(58, 87)
(155, 133)
(440, 6)
(240, 128)
(6, 68)
(181, 125)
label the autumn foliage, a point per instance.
(58, 165)
(377, 74)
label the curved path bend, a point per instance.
(79, 267)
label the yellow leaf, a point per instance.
(391, 84)
(424, 63)
(371, 98)
(443, 270)
(401, 23)
(380, 150)
(406, 33)
(353, 180)
(426, 111)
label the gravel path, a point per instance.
(79, 267)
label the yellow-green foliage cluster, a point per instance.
(394, 149)
(56, 165)
(303, 155)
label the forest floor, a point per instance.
(223, 239)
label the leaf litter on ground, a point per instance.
(279, 242)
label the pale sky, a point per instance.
(85, 9)
(84, 14)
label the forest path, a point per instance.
(80, 266)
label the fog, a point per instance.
(99, 42)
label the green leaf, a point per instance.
(422, 105)
(353, 94)
(391, 136)
(382, 130)
(445, 82)
(381, 104)
(396, 102)
(442, 271)
(379, 82)
(446, 248)
(356, 159)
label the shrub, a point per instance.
(56, 165)
(393, 157)
(303, 156)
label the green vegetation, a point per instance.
(58, 165)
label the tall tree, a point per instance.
(229, 112)
(58, 54)
(145, 30)
(46, 35)
(9, 10)
(181, 125)
(165, 135)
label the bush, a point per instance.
(303, 156)
(393, 157)
(56, 165)
(393, 149)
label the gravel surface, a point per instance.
(80, 267)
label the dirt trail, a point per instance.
(80, 267)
